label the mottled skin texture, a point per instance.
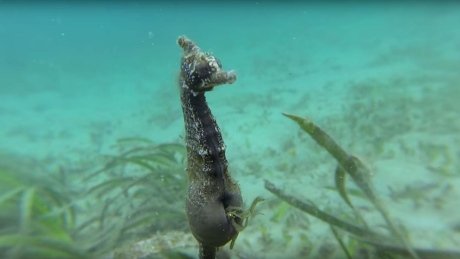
(212, 194)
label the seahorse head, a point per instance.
(201, 71)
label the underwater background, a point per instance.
(91, 129)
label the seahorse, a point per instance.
(214, 204)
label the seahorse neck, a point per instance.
(202, 134)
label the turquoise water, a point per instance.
(381, 79)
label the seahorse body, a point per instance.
(211, 192)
